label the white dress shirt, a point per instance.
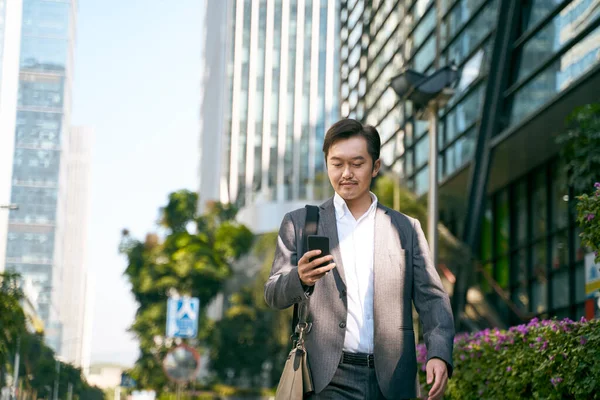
(357, 246)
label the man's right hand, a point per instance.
(312, 271)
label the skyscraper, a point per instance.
(35, 234)
(74, 299)
(270, 89)
(10, 29)
(524, 67)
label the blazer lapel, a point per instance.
(328, 225)
(383, 229)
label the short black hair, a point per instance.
(347, 128)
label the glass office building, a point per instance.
(525, 65)
(34, 238)
(270, 89)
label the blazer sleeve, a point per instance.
(284, 287)
(431, 301)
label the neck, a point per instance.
(360, 205)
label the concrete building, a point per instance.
(269, 91)
(74, 279)
(501, 187)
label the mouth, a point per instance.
(348, 184)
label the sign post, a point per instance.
(182, 317)
(181, 364)
(592, 275)
(592, 285)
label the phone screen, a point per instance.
(316, 242)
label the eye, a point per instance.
(357, 165)
(337, 165)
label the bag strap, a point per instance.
(310, 228)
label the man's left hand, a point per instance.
(437, 373)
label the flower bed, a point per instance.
(548, 359)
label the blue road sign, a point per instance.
(127, 381)
(182, 317)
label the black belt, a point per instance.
(362, 359)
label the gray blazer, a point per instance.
(403, 274)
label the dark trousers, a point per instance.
(351, 382)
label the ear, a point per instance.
(376, 167)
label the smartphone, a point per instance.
(316, 242)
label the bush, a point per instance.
(588, 218)
(548, 359)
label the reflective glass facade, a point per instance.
(557, 44)
(43, 106)
(553, 45)
(531, 245)
(282, 91)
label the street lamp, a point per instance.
(10, 206)
(428, 94)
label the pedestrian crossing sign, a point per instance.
(182, 317)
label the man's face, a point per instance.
(350, 167)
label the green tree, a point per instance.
(252, 340)
(12, 318)
(38, 364)
(580, 145)
(192, 256)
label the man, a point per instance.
(361, 343)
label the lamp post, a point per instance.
(16, 369)
(57, 379)
(428, 94)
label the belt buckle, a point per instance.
(368, 361)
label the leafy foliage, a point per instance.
(12, 318)
(579, 147)
(588, 218)
(193, 257)
(548, 359)
(252, 336)
(38, 364)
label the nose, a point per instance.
(347, 173)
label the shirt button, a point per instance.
(343, 293)
(342, 325)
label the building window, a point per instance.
(555, 78)
(525, 242)
(470, 38)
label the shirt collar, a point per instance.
(341, 208)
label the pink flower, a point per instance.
(556, 381)
(590, 217)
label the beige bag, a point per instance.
(296, 380)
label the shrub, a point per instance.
(588, 218)
(548, 359)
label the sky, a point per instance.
(137, 84)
